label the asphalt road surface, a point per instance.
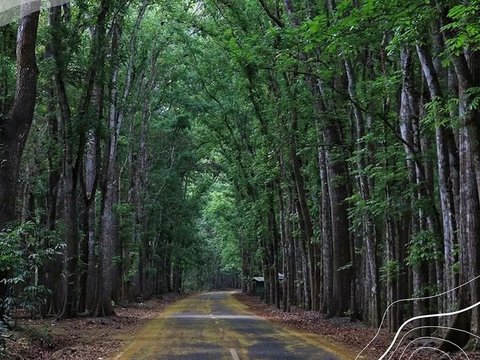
(215, 326)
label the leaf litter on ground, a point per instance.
(90, 338)
(341, 330)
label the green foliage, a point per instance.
(389, 271)
(222, 100)
(424, 246)
(24, 249)
(439, 112)
(465, 26)
(41, 336)
(219, 227)
(473, 96)
(426, 290)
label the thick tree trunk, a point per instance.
(15, 126)
(466, 65)
(444, 140)
(327, 246)
(91, 180)
(312, 251)
(108, 231)
(342, 267)
(52, 274)
(424, 221)
(304, 212)
(369, 232)
(69, 177)
(292, 254)
(337, 172)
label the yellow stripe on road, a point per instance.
(234, 354)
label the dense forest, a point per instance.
(150, 146)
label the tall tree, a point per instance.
(15, 125)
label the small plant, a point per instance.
(423, 247)
(389, 271)
(41, 336)
(3, 335)
(24, 249)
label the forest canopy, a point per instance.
(150, 146)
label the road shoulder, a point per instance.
(338, 336)
(83, 338)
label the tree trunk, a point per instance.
(91, 180)
(304, 212)
(369, 233)
(15, 126)
(443, 137)
(327, 246)
(338, 192)
(108, 229)
(69, 176)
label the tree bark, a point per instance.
(444, 140)
(108, 229)
(368, 231)
(15, 126)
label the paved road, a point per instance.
(215, 326)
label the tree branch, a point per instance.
(271, 15)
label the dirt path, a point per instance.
(217, 326)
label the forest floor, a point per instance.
(82, 338)
(353, 335)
